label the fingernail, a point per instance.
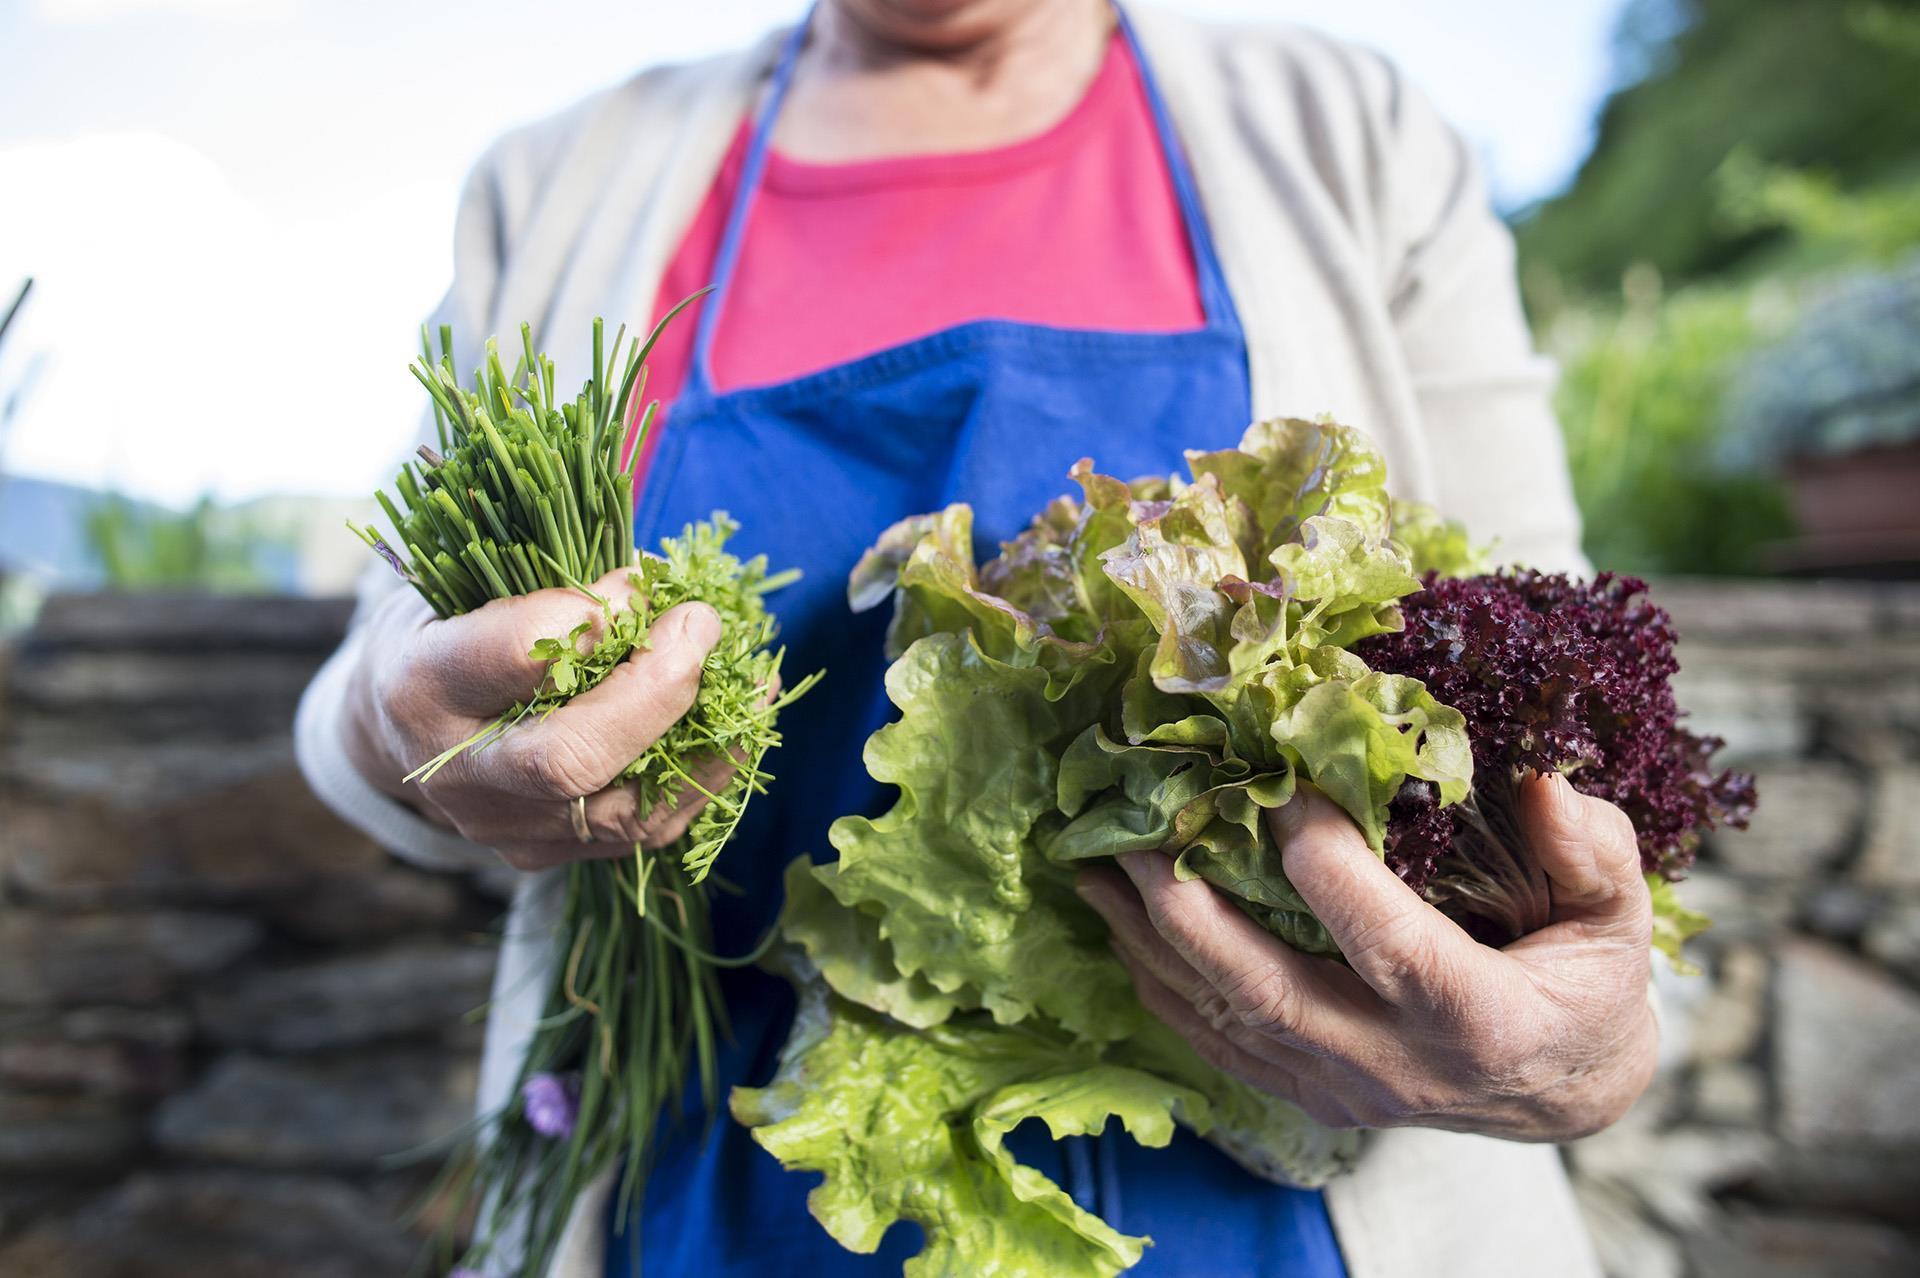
(700, 624)
(1134, 863)
(1559, 792)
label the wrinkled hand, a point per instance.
(424, 684)
(1549, 1039)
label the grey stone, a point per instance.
(1892, 854)
(1625, 1241)
(238, 692)
(200, 836)
(1853, 1180)
(130, 958)
(1742, 909)
(1894, 939)
(99, 1068)
(1758, 719)
(1727, 1024)
(349, 1112)
(1840, 911)
(1758, 610)
(190, 623)
(217, 1224)
(1673, 1171)
(1845, 1038)
(40, 1135)
(1807, 816)
(1885, 695)
(153, 1026)
(1729, 1094)
(107, 1051)
(383, 901)
(417, 988)
(1781, 1246)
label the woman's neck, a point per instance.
(867, 89)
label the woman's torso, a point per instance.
(939, 324)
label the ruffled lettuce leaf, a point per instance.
(1289, 470)
(1436, 544)
(1674, 924)
(962, 894)
(1153, 664)
(910, 1124)
(846, 947)
(1150, 665)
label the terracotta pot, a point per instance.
(1859, 513)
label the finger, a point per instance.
(1114, 897)
(615, 815)
(1590, 854)
(582, 746)
(1250, 977)
(670, 821)
(1407, 951)
(1267, 1072)
(479, 663)
(534, 855)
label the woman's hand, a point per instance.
(424, 684)
(1549, 1039)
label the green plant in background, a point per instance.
(1642, 384)
(1800, 82)
(1827, 223)
(142, 548)
(1674, 424)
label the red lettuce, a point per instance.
(1552, 674)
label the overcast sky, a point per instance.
(237, 211)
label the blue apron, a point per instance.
(993, 413)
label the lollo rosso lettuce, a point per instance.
(1149, 665)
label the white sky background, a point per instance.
(238, 211)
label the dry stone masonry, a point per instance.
(1783, 1137)
(221, 1010)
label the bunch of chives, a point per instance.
(528, 492)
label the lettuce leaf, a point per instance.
(1674, 924)
(962, 893)
(910, 1124)
(1153, 664)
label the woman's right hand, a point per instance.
(424, 684)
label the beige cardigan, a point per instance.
(1373, 282)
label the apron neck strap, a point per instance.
(700, 375)
(1214, 298)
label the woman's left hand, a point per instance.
(1549, 1039)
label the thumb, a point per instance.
(1590, 854)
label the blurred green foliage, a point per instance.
(1641, 387)
(143, 548)
(1824, 84)
(1695, 238)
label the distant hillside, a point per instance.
(301, 544)
(43, 530)
(1823, 84)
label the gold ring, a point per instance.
(578, 811)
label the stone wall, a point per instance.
(1784, 1138)
(220, 1010)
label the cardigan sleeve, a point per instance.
(1484, 393)
(319, 724)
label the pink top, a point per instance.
(1076, 227)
